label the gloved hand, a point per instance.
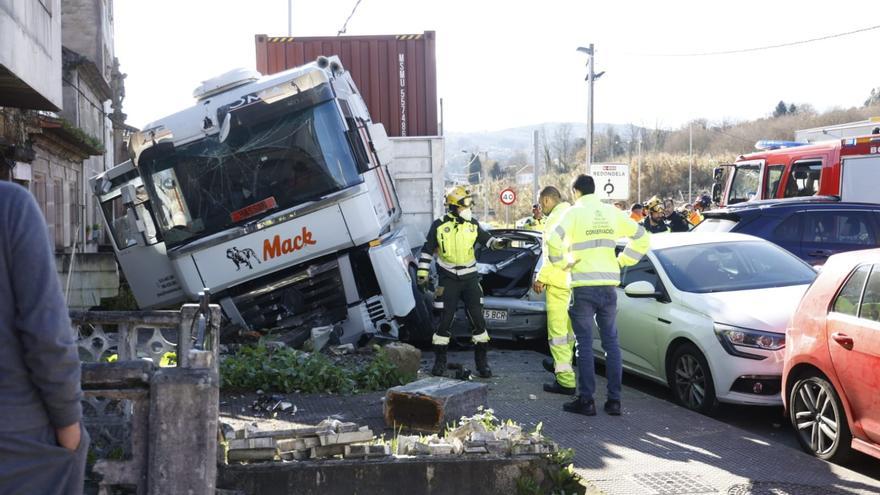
(422, 279)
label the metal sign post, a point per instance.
(507, 197)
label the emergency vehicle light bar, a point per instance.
(773, 144)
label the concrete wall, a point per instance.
(87, 30)
(30, 44)
(95, 276)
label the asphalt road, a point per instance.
(768, 423)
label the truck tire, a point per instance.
(418, 325)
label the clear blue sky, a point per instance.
(510, 63)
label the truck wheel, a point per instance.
(418, 325)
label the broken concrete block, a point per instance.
(251, 443)
(305, 431)
(475, 448)
(432, 403)
(296, 455)
(240, 455)
(366, 451)
(347, 427)
(440, 449)
(324, 451)
(344, 438)
(290, 444)
(498, 447)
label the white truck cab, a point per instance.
(274, 193)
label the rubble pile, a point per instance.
(329, 438)
(332, 438)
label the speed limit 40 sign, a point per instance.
(507, 196)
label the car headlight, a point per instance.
(732, 337)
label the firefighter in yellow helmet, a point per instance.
(452, 239)
(655, 220)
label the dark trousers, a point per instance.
(597, 304)
(467, 290)
(32, 462)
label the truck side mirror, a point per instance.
(717, 173)
(716, 193)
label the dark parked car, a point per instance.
(812, 228)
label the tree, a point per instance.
(792, 109)
(496, 171)
(874, 98)
(781, 109)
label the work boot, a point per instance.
(439, 368)
(556, 388)
(580, 406)
(482, 360)
(612, 407)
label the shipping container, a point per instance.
(396, 74)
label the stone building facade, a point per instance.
(53, 150)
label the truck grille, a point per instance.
(298, 297)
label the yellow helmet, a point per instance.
(459, 196)
(654, 204)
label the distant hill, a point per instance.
(501, 145)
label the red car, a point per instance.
(831, 379)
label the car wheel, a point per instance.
(690, 379)
(818, 418)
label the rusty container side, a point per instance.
(396, 74)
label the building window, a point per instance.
(38, 189)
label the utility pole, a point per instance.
(591, 77)
(639, 168)
(691, 158)
(289, 17)
(537, 166)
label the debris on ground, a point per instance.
(432, 403)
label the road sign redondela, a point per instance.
(507, 196)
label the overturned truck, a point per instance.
(273, 192)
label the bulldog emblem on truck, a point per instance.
(242, 257)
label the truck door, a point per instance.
(139, 248)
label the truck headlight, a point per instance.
(732, 337)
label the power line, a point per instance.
(345, 26)
(760, 48)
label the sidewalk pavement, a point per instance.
(654, 448)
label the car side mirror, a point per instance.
(641, 289)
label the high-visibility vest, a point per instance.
(453, 239)
(695, 217)
(551, 274)
(589, 231)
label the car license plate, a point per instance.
(495, 314)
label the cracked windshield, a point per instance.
(271, 166)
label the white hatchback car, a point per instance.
(706, 315)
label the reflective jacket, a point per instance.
(452, 239)
(551, 274)
(589, 231)
(536, 224)
(695, 217)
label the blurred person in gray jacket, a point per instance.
(43, 446)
